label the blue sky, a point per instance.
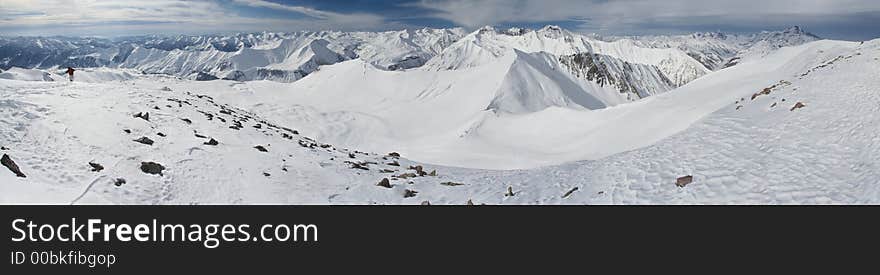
(838, 19)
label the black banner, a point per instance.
(406, 239)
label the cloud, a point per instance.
(54, 12)
(355, 19)
(613, 15)
(65, 17)
(120, 17)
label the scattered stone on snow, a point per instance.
(261, 148)
(127, 131)
(509, 192)
(470, 202)
(212, 142)
(7, 161)
(798, 105)
(144, 140)
(407, 175)
(119, 182)
(96, 167)
(357, 165)
(153, 168)
(186, 120)
(426, 203)
(236, 125)
(393, 163)
(420, 171)
(387, 171)
(569, 192)
(684, 181)
(409, 193)
(143, 115)
(384, 183)
(765, 91)
(394, 154)
(450, 183)
(160, 134)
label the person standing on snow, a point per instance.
(70, 73)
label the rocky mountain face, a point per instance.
(632, 80)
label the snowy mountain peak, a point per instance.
(797, 30)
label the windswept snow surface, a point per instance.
(736, 130)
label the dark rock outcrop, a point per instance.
(7, 161)
(684, 181)
(119, 182)
(152, 168)
(144, 140)
(96, 167)
(212, 142)
(384, 183)
(144, 116)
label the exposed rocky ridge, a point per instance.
(635, 80)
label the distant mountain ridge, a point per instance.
(632, 67)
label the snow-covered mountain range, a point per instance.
(635, 67)
(274, 56)
(512, 116)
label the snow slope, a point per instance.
(355, 105)
(761, 153)
(52, 130)
(26, 75)
(91, 75)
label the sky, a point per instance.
(835, 19)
